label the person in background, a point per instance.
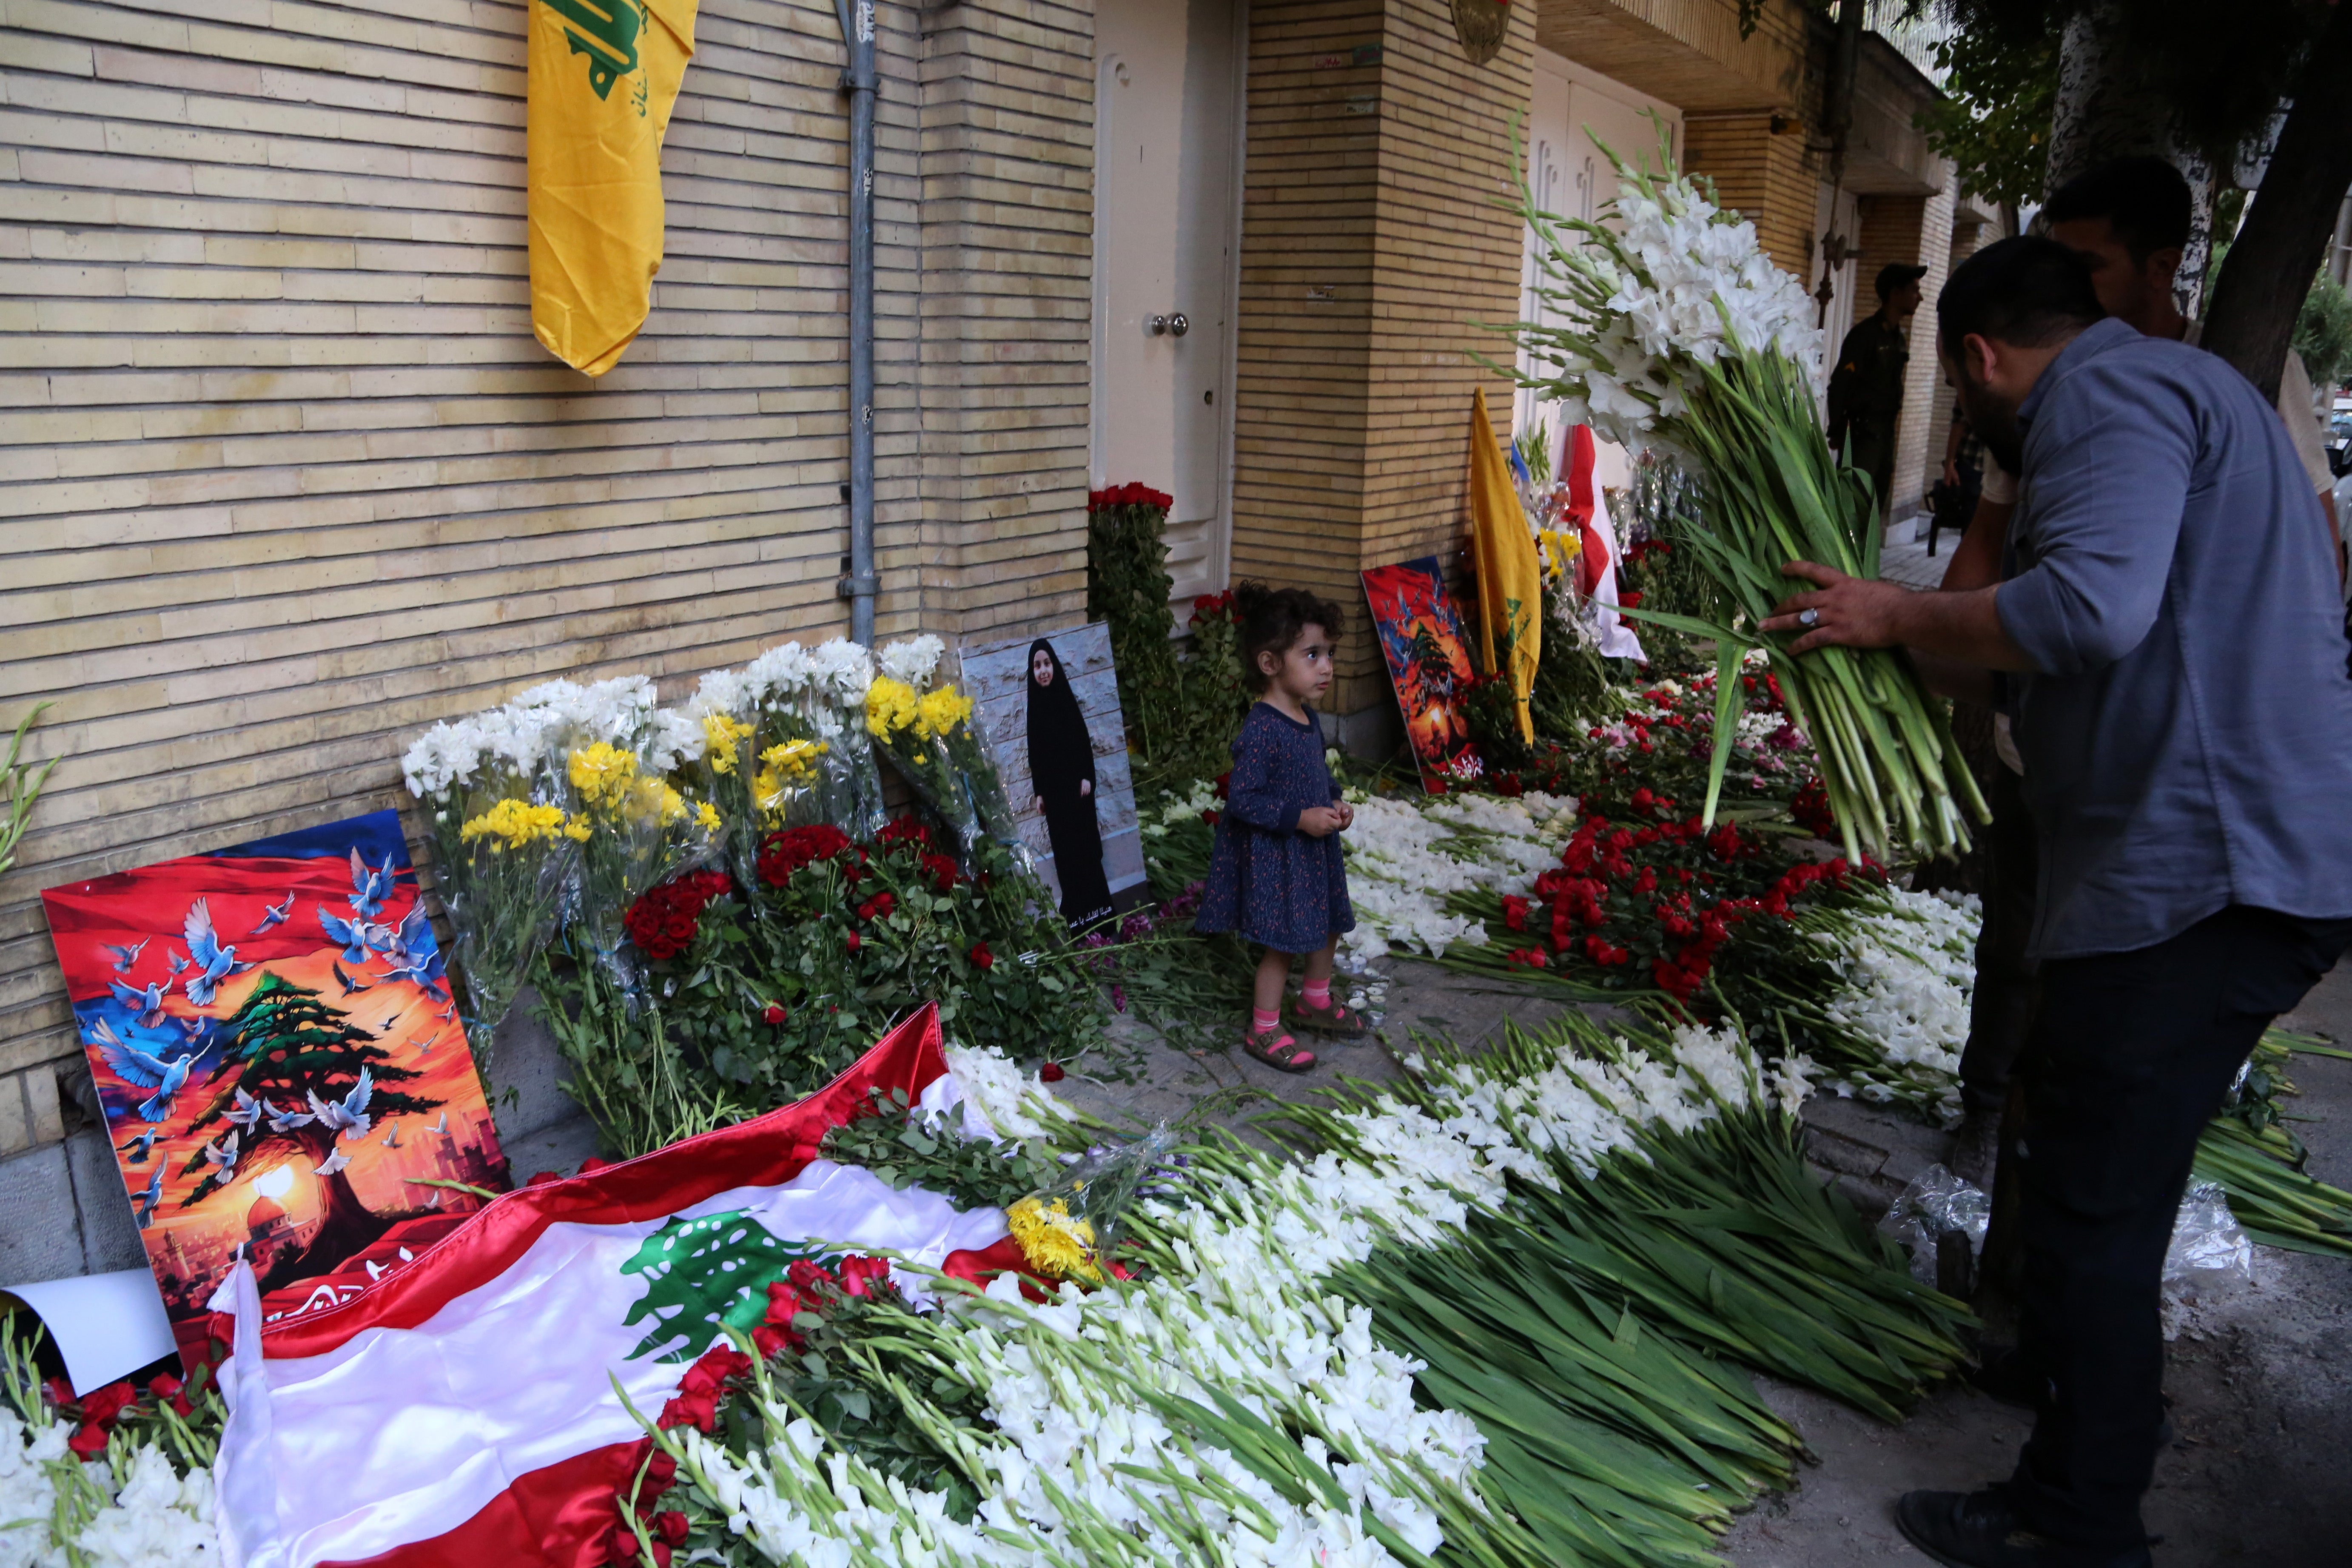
(2129, 221)
(2173, 652)
(1865, 395)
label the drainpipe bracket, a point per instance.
(857, 587)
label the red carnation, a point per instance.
(1051, 1073)
(981, 957)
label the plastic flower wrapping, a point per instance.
(924, 726)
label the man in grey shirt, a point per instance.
(2175, 660)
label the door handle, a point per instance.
(1178, 326)
(1169, 326)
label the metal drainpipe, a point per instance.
(857, 80)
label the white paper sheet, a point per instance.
(104, 1325)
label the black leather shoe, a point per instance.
(1981, 1530)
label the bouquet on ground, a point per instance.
(1069, 1229)
(501, 852)
(1666, 325)
(635, 829)
(925, 727)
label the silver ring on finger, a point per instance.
(1809, 617)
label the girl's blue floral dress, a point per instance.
(1268, 880)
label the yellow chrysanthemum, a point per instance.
(793, 759)
(578, 830)
(706, 816)
(602, 773)
(1056, 1243)
(890, 706)
(723, 741)
(673, 806)
(939, 712)
(513, 823)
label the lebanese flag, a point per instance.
(461, 1409)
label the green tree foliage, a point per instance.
(2323, 332)
(1993, 122)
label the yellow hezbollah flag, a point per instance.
(603, 75)
(1510, 578)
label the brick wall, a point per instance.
(284, 476)
(1370, 249)
(1303, 350)
(1768, 177)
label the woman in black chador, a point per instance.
(1062, 772)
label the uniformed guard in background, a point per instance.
(1866, 388)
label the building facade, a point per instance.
(285, 476)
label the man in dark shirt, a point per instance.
(1866, 388)
(2175, 654)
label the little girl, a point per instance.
(1275, 876)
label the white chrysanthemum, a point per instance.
(672, 739)
(913, 661)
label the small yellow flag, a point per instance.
(603, 75)
(1510, 577)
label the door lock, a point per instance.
(1168, 326)
(1178, 326)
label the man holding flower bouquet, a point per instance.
(2168, 643)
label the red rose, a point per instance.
(855, 941)
(669, 1525)
(107, 1404)
(903, 831)
(784, 1303)
(942, 872)
(878, 907)
(700, 1411)
(1526, 957)
(863, 1276)
(167, 1389)
(981, 957)
(773, 1014)
(782, 853)
(1224, 782)
(1051, 1073)
(1629, 599)
(772, 1343)
(661, 1474)
(1514, 913)
(90, 1441)
(1210, 817)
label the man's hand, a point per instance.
(1861, 612)
(1952, 473)
(1853, 611)
(1320, 821)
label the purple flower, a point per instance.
(1136, 926)
(1117, 999)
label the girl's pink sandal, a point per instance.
(1283, 1054)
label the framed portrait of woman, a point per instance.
(1048, 703)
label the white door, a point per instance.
(1572, 111)
(1168, 136)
